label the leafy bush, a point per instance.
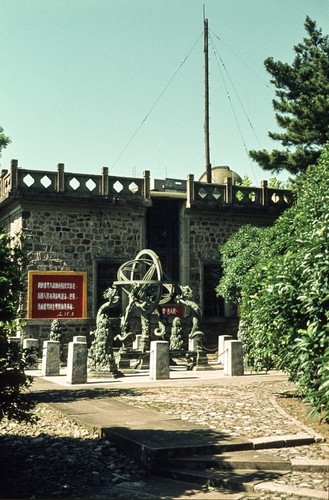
(239, 254)
(285, 296)
(13, 379)
(281, 280)
(13, 402)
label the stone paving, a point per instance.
(240, 406)
(249, 411)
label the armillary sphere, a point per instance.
(141, 280)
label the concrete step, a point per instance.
(287, 491)
(251, 459)
(241, 481)
(235, 481)
(310, 465)
(173, 439)
(283, 441)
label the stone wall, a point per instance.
(73, 238)
(66, 230)
(207, 233)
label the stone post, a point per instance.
(32, 344)
(80, 338)
(105, 181)
(233, 358)
(60, 180)
(137, 343)
(77, 361)
(228, 190)
(192, 344)
(146, 184)
(189, 190)
(159, 360)
(264, 186)
(50, 358)
(13, 174)
(221, 349)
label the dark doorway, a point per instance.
(162, 234)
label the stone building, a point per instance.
(91, 224)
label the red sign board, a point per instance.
(57, 294)
(173, 310)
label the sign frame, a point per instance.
(176, 310)
(34, 276)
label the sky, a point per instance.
(120, 83)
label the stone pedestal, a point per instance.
(159, 360)
(221, 340)
(233, 358)
(77, 363)
(51, 358)
(33, 346)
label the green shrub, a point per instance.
(285, 295)
(13, 379)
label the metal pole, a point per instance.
(206, 120)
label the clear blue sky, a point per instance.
(86, 82)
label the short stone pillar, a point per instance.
(159, 360)
(77, 362)
(221, 349)
(80, 338)
(33, 346)
(137, 343)
(233, 358)
(192, 344)
(51, 358)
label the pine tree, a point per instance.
(4, 140)
(301, 105)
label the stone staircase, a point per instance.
(237, 469)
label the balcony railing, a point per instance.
(19, 181)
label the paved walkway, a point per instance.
(142, 432)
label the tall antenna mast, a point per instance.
(206, 96)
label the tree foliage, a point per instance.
(4, 140)
(285, 292)
(13, 380)
(301, 105)
(238, 256)
(12, 262)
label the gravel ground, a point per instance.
(57, 458)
